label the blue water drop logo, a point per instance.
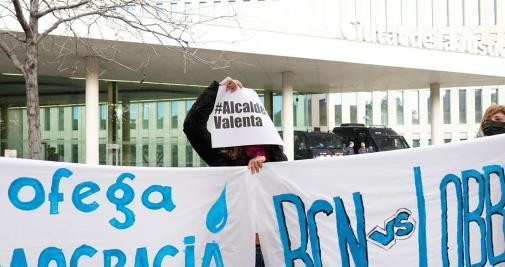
(218, 214)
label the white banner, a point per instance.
(240, 119)
(434, 206)
(80, 215)
(430, 206)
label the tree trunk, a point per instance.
(32, 99)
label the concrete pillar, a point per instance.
(3, 129)
(125, 119)
(287, 114)
(330, 111)
(436, 114)
(269, 103)
(92, 110)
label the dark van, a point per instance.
(316, 144)
(376, 138)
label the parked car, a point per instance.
(376, 138)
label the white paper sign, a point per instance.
(240, 119)
(80, 215)
(435, 206)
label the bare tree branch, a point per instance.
(10, 54)
(9, 9)
(13, 36)
(53, 9)
(20, 17)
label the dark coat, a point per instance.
(195, 128)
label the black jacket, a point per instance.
(195, 128)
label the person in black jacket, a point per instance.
(195, 128)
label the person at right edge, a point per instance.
(493, 121)
(253, 156)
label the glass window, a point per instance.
(424, 96)
(145, 116)
(187, 11)
(353, 107)
(277, 106)
(75, 153)
(103, 117)
(368, 108)
(174, 114)
(189, 104)
(338, 108)
(189, 155)
(175, 154)
(416, 142)
(384, 107)
(203, 10)
(322, 110)
(415, 106)
(173, 9)
(47, 119)
(131, 8)
(447, 106)
(462, 106)
(159, 155)
(145, 155)
(61, 119)
(75, 118)
(133, 155)
(494, 96)
(133, 116)
(160, 10)
(295, 110)
(160, 110)
(447, 137)
(478, 105)
(309, 109)
(61, 152)
(398, 97)
(102, 154)
(301, 112)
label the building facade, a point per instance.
(155, 127)
(319, 64)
